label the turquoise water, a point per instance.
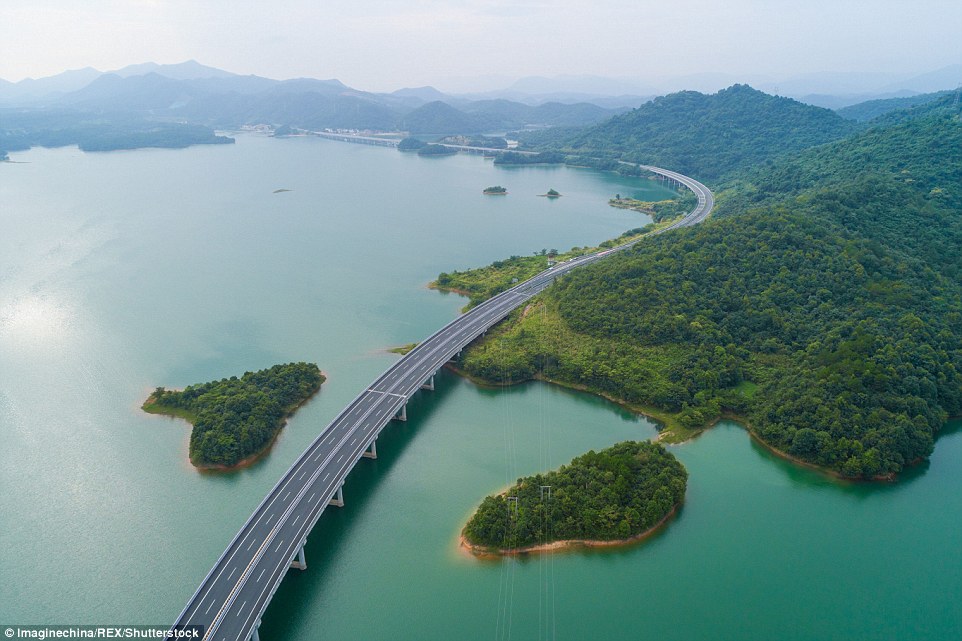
(123, 271)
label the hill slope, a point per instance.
(816, 307)
(865, 111)
(706, 136)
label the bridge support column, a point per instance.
(429, 384)
(371, 451)
(301, 562)
(338, 499)
(254, 635)
(403, 414)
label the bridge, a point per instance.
(232, 597)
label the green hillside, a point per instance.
(865, 111)
(706, 136)
(823, 304)
(441, 118)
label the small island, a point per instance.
(236, 419)
(437, 150)
(411, 144)
(551, 194)
(497, 190)
(611, 497)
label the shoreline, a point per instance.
(660, 417)
(483, 551)
(664, 421)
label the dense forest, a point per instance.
(234, 418)
(436, 150)
(871, 109)
(617, 493)
(706, 136)
(823, 303)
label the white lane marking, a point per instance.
(377, 391)
(232, 573)
(312, 497)
(212, 601)
(261, 574)
(296, 519)
(286, 495)
(253, 541)
(241, 608)
(354, 441)
(302, 475)
(269, 519)
(340, 458)
(326, 476)
(318, 456)
(279, 546)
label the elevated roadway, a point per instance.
(232, 597)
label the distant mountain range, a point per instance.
(833, 90)
(193, 92)
(714, 132)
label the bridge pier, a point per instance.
(403, 414)
(371, 451)
(338, 499)
(301, 562)
(429, 384)
(254, 635)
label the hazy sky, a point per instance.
(388, 44)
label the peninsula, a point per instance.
(820, 307)
(236, 419)
(611, 497)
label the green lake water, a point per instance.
(127, 270)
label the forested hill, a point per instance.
(706, 136)
(914, 168)
(825, 307)
(870, 109)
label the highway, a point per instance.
(232, 597)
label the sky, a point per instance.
(382, 45)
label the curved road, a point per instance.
(236, 591)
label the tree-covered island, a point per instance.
(234, 418)
(436, 150)
(497, 190)
(613, 496)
